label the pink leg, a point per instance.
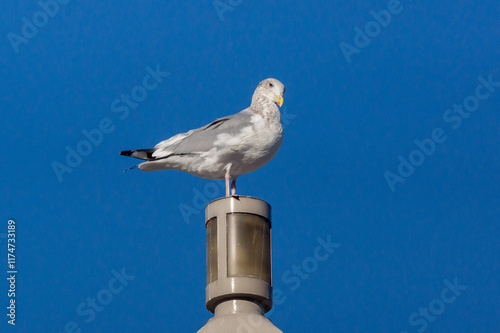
(228, 177)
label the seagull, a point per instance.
(227, 147)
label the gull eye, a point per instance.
(271, 85)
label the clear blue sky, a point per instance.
(391, 152)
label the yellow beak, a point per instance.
(279, 100)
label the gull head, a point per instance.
(269, 90)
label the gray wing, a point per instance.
(202, 139)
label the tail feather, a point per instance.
(142, 154)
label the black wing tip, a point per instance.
(130, 168)
(142, 154)
(128, 153)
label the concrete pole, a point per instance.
(239, 266)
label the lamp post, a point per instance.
(239, 266)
